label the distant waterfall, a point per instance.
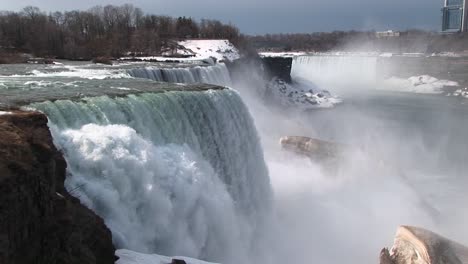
(176, 173)
(324, 70)
(217, 74)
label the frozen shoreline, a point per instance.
(423, 84)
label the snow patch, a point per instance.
(131, 257)
(5, 113)
(301, 94)
(73, 71)
(423, 84)
(221, 49)
(460, 93)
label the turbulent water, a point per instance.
(177, 173)
(173, 173)
(183, 173)
(217, 74)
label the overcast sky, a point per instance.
(274, 16)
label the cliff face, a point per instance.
(279, 67)
(40, 222)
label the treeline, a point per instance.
(320, 41)
(408, 41)
(101, 31)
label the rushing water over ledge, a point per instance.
(216, 74)
(177, 173)
(173, 169)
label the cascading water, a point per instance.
(340, 70)
(217, 74)
(177, 173)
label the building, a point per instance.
(387, 34)
(454, 16)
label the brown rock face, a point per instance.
(39, 221)
(415, 245)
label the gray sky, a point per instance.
(273, 16)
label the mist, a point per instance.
(403, 165)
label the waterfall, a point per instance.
(217, 74)
(330, 69)
(176, 173)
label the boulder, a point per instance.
(415, 245)
(314, 148)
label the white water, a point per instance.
(217, 74)
(326, 70)
(179, 173)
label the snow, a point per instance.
(423, 84)
(131, 257)
(282, 54)
(196, 51)
(221, 49)
(5, 113)
(301, 94)
(78, 72)
(386, 55)
(460, 93)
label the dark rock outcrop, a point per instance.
(40, 222)
(279, 67)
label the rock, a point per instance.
(178, 261)
(40, 222)
(314, 148)
(279, 67)
(385, 257)
(415, 245)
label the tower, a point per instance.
(454, 16)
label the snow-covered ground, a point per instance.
(5, 113)
(221, 49)
(131, 257)
(460, 93)
(301, 94)
(196, 50)
(423, 84)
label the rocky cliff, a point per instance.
(279, 67)
(40, 222)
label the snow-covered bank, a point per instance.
(195, 50)
(423, 84)
(221, 49)
(460, 93)
(301, 94)
(131, 257)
